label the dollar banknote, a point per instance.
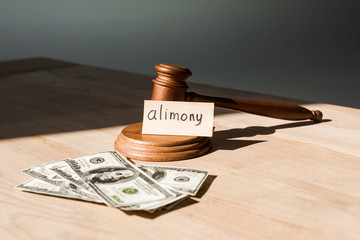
(110, 178)
(44, 173)
(186, 180)
(118, 181)
(63, 169)
(39, 186)
(156, 205)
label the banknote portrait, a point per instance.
(109, 175)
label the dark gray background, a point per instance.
(302, 49)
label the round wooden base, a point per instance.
(159, 148)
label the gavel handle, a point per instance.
(264, 108)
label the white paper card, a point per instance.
(178, 118)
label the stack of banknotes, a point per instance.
(114, 180)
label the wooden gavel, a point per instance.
(170, 85)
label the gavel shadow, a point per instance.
(225, 139)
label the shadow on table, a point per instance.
(185, 203)
(44, 96)
(54, 97)
(223, 140)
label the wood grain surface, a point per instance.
(270, 178)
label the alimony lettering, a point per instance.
(163, 113)
(178, 118)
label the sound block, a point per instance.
(159, 148)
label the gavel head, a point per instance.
(170, 84)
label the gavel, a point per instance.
(170, 85)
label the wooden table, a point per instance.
(270, 179)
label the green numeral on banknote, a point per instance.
(117, 199)
(130, 190)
